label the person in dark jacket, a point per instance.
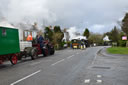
(40, 40)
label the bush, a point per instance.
(122, 43)
(68, 43)
(59, 46)
(62, 44)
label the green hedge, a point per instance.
(122, 43)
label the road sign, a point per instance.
(124, 38)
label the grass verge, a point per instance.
(118, 50)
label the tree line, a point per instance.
(56, 35)
(115, 35)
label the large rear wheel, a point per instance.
(13, 59)
(34, 53)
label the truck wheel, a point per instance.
(13, 59)
(52, 51)
(34, 54)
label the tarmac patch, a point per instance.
(100, 67)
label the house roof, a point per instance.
(80, 37)
(6, 24)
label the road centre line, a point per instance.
(70, 56)
(99, 76)
(25, 77)
(57, 62)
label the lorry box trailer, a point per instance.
(9, 41)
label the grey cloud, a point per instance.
(66, 13)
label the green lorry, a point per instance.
(9, 44)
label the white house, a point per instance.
(106, 38)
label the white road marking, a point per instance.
(87, 81)
(99, 81)
(99, 76)
(70, 57)
(25, 77)
(58, 62)
(94, 60)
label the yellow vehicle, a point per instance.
(76, 44)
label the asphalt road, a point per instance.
(68, 67)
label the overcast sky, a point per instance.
(97, 15)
